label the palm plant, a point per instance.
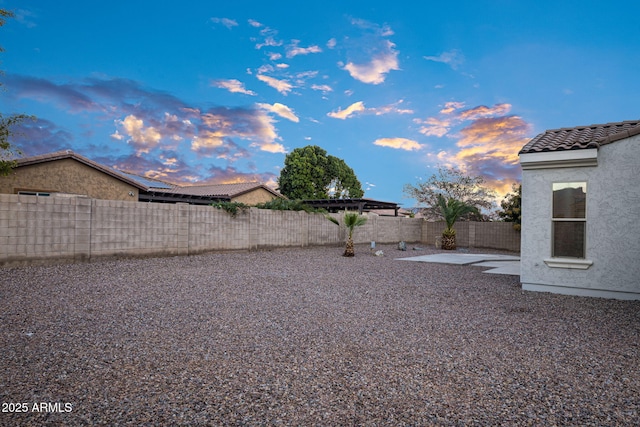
(451, 210)
(351, 221)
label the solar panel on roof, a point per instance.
(147, 182)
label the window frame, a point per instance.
(582, 220)
(569, 262)
(34, 193)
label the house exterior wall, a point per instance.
(259, 195)
(612, 226)
(67, 176)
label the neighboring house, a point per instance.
(70, 173)
(361, 205)
(581, 211)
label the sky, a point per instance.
(219, 92)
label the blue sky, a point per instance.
(214, 92)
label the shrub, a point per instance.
(231, 207)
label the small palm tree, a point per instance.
(351, 221)
(451, 210)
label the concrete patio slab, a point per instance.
(460, 259)
(511, 268)
(502, 264)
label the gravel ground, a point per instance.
(307, 337)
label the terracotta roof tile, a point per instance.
(219, 190)
(150, 184)
(581, 137)
(69, 154)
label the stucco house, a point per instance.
(70, 173)
(581, 211)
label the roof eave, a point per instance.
(587, 157)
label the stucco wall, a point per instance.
(67, 176)
(612, 229)
(259, 195)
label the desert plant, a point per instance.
(451, 210)
(232, 208)
(351, 221)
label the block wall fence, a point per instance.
(75, 228)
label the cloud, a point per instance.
(433, 126)
(25, 17)
(331, 43)
(356, 107)
(269, 41)
(398, 143)
(282, 86)
(229, 23)
(440, 126)
(67, 95)
(39, 136)
(380, 30)
(370, 55)
(487, 143)
(281, 110)
(221, 123)
(375, 71)
(484, 111)
(295, 50)
(323, 88)
(452, 106)
(160, 131)
(232, 85)
(390, 109)
(141, 137)
(454, 58)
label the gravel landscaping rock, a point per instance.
(304, 336)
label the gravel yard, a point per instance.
(307, 337)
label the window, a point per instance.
(33, 193)
(569, 219)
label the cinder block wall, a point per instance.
(40, 229)
(494, 235)
(43, 228)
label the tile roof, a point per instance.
(147, 182)
(581, 137)
(150, 184)
(218, 190)
(68, 154)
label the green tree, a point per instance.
(8, 153)
(309, 173)
(351, 221)
(452, 210)
(452, 183)
(512, 207)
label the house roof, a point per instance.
(68, 154)
(220, 190)
(194, 193)
(581, 137)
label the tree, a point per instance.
(512, 207)
(309, 173)
(7, 152)
(451, 210)
(452, 183)
(351, 221)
